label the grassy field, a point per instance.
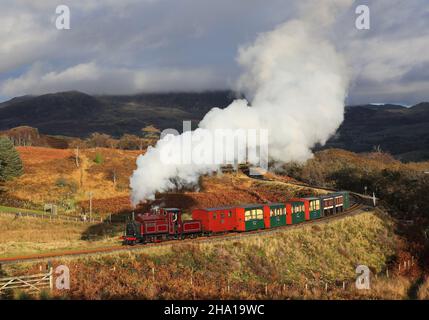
(52, 176)
(252, 268)
(28, 235)
(18, 210)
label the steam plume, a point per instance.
(297, 84)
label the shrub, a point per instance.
(98, 158)
(64, 183)
(10, 161)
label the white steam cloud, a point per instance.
(297, 84)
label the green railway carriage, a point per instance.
(274, 215)
(314, 208)
(334, 203)
(346, 199)
(250, 217)
(295, 210)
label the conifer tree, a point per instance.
(10, 161)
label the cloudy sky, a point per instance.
(131, 46)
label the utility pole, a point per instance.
(77, 156)
(90, 206)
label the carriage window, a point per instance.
(272, 213)
(230, 214)
(222, 216)
(247, 215)
(259, 214)
(214, 216)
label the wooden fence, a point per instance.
(33, 283)
(53, 217)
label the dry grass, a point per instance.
(45, 167)
(423, 292)
(27, 235)
(325, 253)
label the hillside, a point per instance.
(78, 115)
(271, 266)
(315, 254)
(402, 131)
(51, 176)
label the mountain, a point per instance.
(402, 131)
(79, 114)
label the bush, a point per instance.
(64, 183)
(98, 159)
(10, 161)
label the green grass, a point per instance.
(17, 210)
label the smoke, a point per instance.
(297, 84)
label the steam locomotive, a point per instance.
(161, 224)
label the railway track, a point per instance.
(357, 208)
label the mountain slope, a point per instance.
(402, 131)
(78, 114)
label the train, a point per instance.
(162, 224)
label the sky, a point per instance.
(135, 46)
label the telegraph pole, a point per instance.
(90, 206)
(77, 156)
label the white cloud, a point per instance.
(94, 79)
(168, 45)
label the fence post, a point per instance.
(326, 286)
(387, 273)
(266, 289)
(51, 278)
(344, 285)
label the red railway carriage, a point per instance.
(214, 220)
(161, 224)
(166, 223)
